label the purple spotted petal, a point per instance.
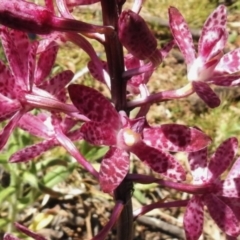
(175, 137)
(31, 65)
(135, 35)
(114, 168)
(213, 40)
(217, 20)
(235, 170)
(97, 70)
(57, 83)
(229, 63)
(6, 82)
(206, 94)
(223, 157)
(182, 35)
(11, 40)
(198, 165)
(8, 129)
(231, 188)
(98, 133)
(94, 105)
(45, 64)
(159, 161)
(222, 214)
(193, 218)
(8, 107)
(234, 204)
(35, 126)
(30, 152)
(225, 80)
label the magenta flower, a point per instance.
(210, 65)
(122, 135)
(209, 173)
(55, 131)
(22, 85)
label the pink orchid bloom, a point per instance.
(140, 42)
(108, 127)
(22, 84)
(137, 72)
(209, 173)
(56, 131)
(210, 65)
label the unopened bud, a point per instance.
(29, 17)
(135, 35)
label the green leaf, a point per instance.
(57, 175)
(139, 196)
(4, 222)
(31, 179)
(6, 193)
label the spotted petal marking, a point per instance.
(175, 137)
(234, 172)
(45, 64)
(35, 126)
(8, 107)
(10, 41)
(222, 214)
(135, 35)
(225, 80)
(234, 204)
(159, 161)
(58, 82)
(193, 218)
(198, 165)
(94, 105)
(229, 63)
(114, 167)
(6, 81)
(30, 152)
(231, 188)
(214, 41)
(181, 34)
(222, 157)
(97, 70)
(98, 133)
(206, 94)
(217, 19)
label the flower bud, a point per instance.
(135, 35)
(29, 17)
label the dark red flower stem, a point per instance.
(115, 60)
(114, 52)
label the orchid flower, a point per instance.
(22, 84)
(210, 65)
(108, 127)
(56, 131)
(137, 38)
(209, 173)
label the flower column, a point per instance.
(111, 10)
